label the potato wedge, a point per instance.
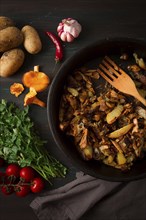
(121, 158)
(114, 114)
(120, 131)
(87, 153)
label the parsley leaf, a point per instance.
(19, 142)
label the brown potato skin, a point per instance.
(5, 22)
(10, 37)
(32, 41)
(11, 61)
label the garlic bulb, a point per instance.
(69, 29)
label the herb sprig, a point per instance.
(19, 142)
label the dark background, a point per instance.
(100, 19)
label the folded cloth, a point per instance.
(71, 201)
(89, 198)
(126, 202)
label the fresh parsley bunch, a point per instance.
(19, 142)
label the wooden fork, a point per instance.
(118, 78)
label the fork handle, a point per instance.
(140, 98)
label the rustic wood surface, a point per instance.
(99, 19)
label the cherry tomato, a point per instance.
(13, 170)
(1, 162)
(22, 190)
(7, 189)
(37, 185)
(27, 174)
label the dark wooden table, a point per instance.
(99, 19)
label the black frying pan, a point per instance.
(90, 56)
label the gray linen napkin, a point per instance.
(125, 202)
(71, 201)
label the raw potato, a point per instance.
(10, 62)
(32, 41)
(10, 37)
(5, 22)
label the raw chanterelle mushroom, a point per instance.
(36, 79)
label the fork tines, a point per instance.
(118, 78)
(110, 70)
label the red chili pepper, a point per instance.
(59, 50)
